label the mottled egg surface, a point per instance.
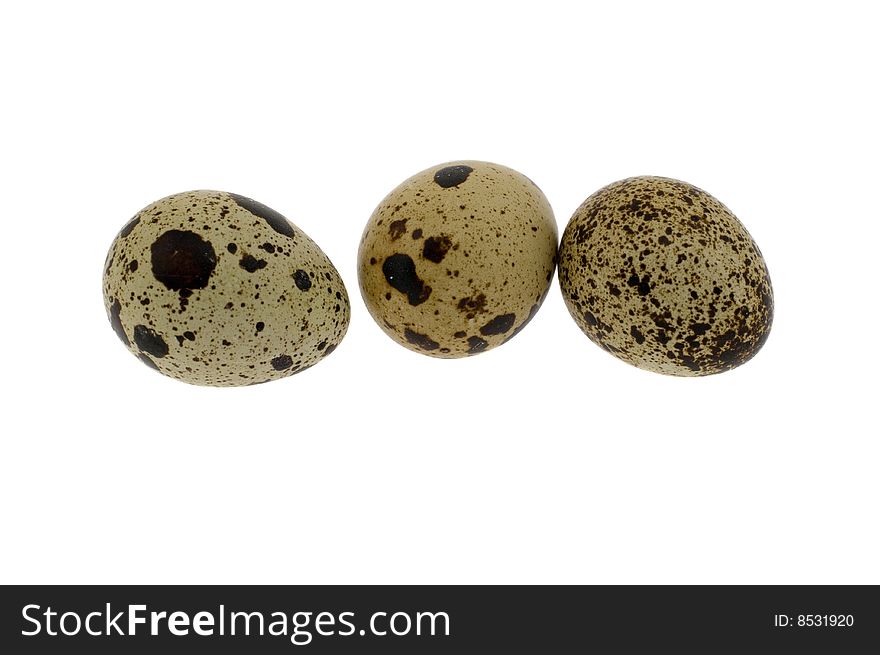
(458, 258)
(662, 275)
(213, 288)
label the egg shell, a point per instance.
(663, 276)
(458, 259)
(216, 289)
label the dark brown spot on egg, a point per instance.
(476, 345)
(128, 227)
(149, 341)
(275, 220)
(182, 260)
(498, 325)
(251, 264)
(302, 280)
(397, 229)
(116, 322)
(637, 335)
(451, 176)
(422, 341)
(642, 286)
(400, 273)
(472, 305)
(282, 363)
(435, 248)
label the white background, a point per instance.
(545, 460)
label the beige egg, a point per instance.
(663, 276)
(213, 288)
(457, 259)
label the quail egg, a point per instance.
(213, 288)
(457, 259)
(663, 276)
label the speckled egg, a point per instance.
(662, 275)
(213, 288)
(458, 258)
